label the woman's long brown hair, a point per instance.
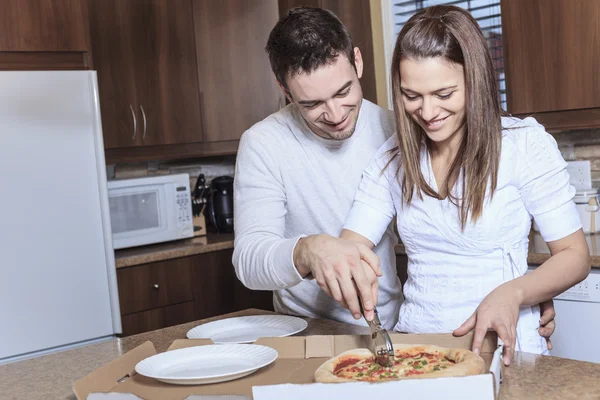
(452, 33)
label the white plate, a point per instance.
(248, 329)
(200, 365)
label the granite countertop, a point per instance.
(175, 249)
(51, 377)
(539, 252)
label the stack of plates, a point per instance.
(231, 357)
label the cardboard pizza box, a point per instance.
(291, 376)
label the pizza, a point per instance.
(411, 361)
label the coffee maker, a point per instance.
(219, 208)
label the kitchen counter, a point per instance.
(175, 249)
(539, 252)
(51, 377)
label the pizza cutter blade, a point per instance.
(381, 344)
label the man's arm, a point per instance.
(265, 259)
(262, 256)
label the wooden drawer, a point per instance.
(157, 318)
(154, 285)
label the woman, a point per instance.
(464, 183)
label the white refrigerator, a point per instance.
(58, 285)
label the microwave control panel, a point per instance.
(184, 205)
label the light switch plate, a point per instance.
(580, 174)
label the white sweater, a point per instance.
(291, 183)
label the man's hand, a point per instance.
(547, 323)
(340, 267)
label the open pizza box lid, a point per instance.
(291, 376)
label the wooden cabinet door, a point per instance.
(113, 36)
(237, 87)
(217, 289)
(356, 16)
(44, 25)
(551, 51)
(154, 285)
(166, 73)
(145, 56)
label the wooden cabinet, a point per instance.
(551, 51)
(155, 285)
(44, 34)
(157, 318)
(356, 16)
(172, 292)
(217, 289)
(145, 57)
(237, 86)
(181, 78)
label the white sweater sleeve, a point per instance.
(373, 208)
(262, 256)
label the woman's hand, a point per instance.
(499, 311)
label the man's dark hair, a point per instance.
(305, 39)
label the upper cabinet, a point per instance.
(181, 78)
(144, 52)
(44, 34)
(551, 53)
(356, 16)
(237, 86)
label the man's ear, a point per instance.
(285, 92)
(358, 62)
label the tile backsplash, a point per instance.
(582, 145)
(210, 167)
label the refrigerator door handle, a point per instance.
(134, 122)
(144, 117)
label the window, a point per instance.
(486, 12)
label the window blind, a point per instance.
(487, 14)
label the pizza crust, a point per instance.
(467, 363)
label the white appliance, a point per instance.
(150, 210)
(58, 286)
(578, 321)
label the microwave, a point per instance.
(150, 210)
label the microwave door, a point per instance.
(136, 213)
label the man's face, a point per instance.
(329, 98)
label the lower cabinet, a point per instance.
(166, 293)
(157, 318)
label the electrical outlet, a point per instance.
(580, 174)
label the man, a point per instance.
(297, 172)
(296, 175)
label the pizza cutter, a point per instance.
(381, 344)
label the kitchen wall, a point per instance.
(211, 167)
(582, 145)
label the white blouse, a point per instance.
(450, 271)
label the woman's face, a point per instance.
(433, 93)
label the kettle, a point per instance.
(219, 207)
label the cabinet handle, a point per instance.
(155, 286)
(144, 117)
(134, 122)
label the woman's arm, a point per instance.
(355, 237)
(568, 265)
